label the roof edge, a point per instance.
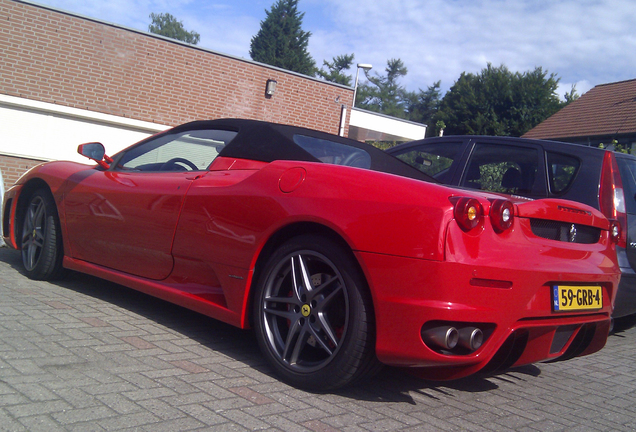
(614, 83)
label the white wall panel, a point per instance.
(51, 132)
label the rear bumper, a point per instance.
(515, 312)
(530, 343)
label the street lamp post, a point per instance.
(366, 67)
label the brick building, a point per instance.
(67, 79)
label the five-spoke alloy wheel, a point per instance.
(313, 315)
(41, 241)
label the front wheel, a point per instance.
(313, 315)
(41, 240)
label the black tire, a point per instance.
(317, 332)
(41, 240)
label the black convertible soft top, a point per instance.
(267, 142)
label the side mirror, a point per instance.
(95, 151)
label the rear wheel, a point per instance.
(313, 315)
(41, 240)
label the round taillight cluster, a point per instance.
(468, 213)
(501, 215)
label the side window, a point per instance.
(502, 168)
(561, 171)
(192, 150)
(434, 159)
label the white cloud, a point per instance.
(581, 87)
(438, 40)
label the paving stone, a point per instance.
(241, 418)
(37, 408)
(83, 354)
(70, 416)
(181, 425)
(204, 414)
(318, 426)
(39, 423)
(10, 423)
(77, 397)
(161, 409)
(129, 421)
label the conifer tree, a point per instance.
(281, 41)
(384, 94)
(335, 69)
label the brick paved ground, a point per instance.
(84, 354)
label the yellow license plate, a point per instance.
(576, 298)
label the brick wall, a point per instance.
(14, 167)
(54, 57)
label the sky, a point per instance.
(584, 42)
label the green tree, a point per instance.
(334, 72)
(166, 25)
(571, 96)
(615, 146)
(499, 102)
(384, 94)
(422, 106)
(281, 41)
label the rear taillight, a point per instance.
(468, 213)
(501, 215)
(612, 198)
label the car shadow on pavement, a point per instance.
(212, 333)
(390, 384)
(398, 385)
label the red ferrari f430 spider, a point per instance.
(338, 255)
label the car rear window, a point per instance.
(434, 159)
(502, 168)
(562, 170)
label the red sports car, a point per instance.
(341, 257)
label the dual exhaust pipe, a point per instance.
(447, 337)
